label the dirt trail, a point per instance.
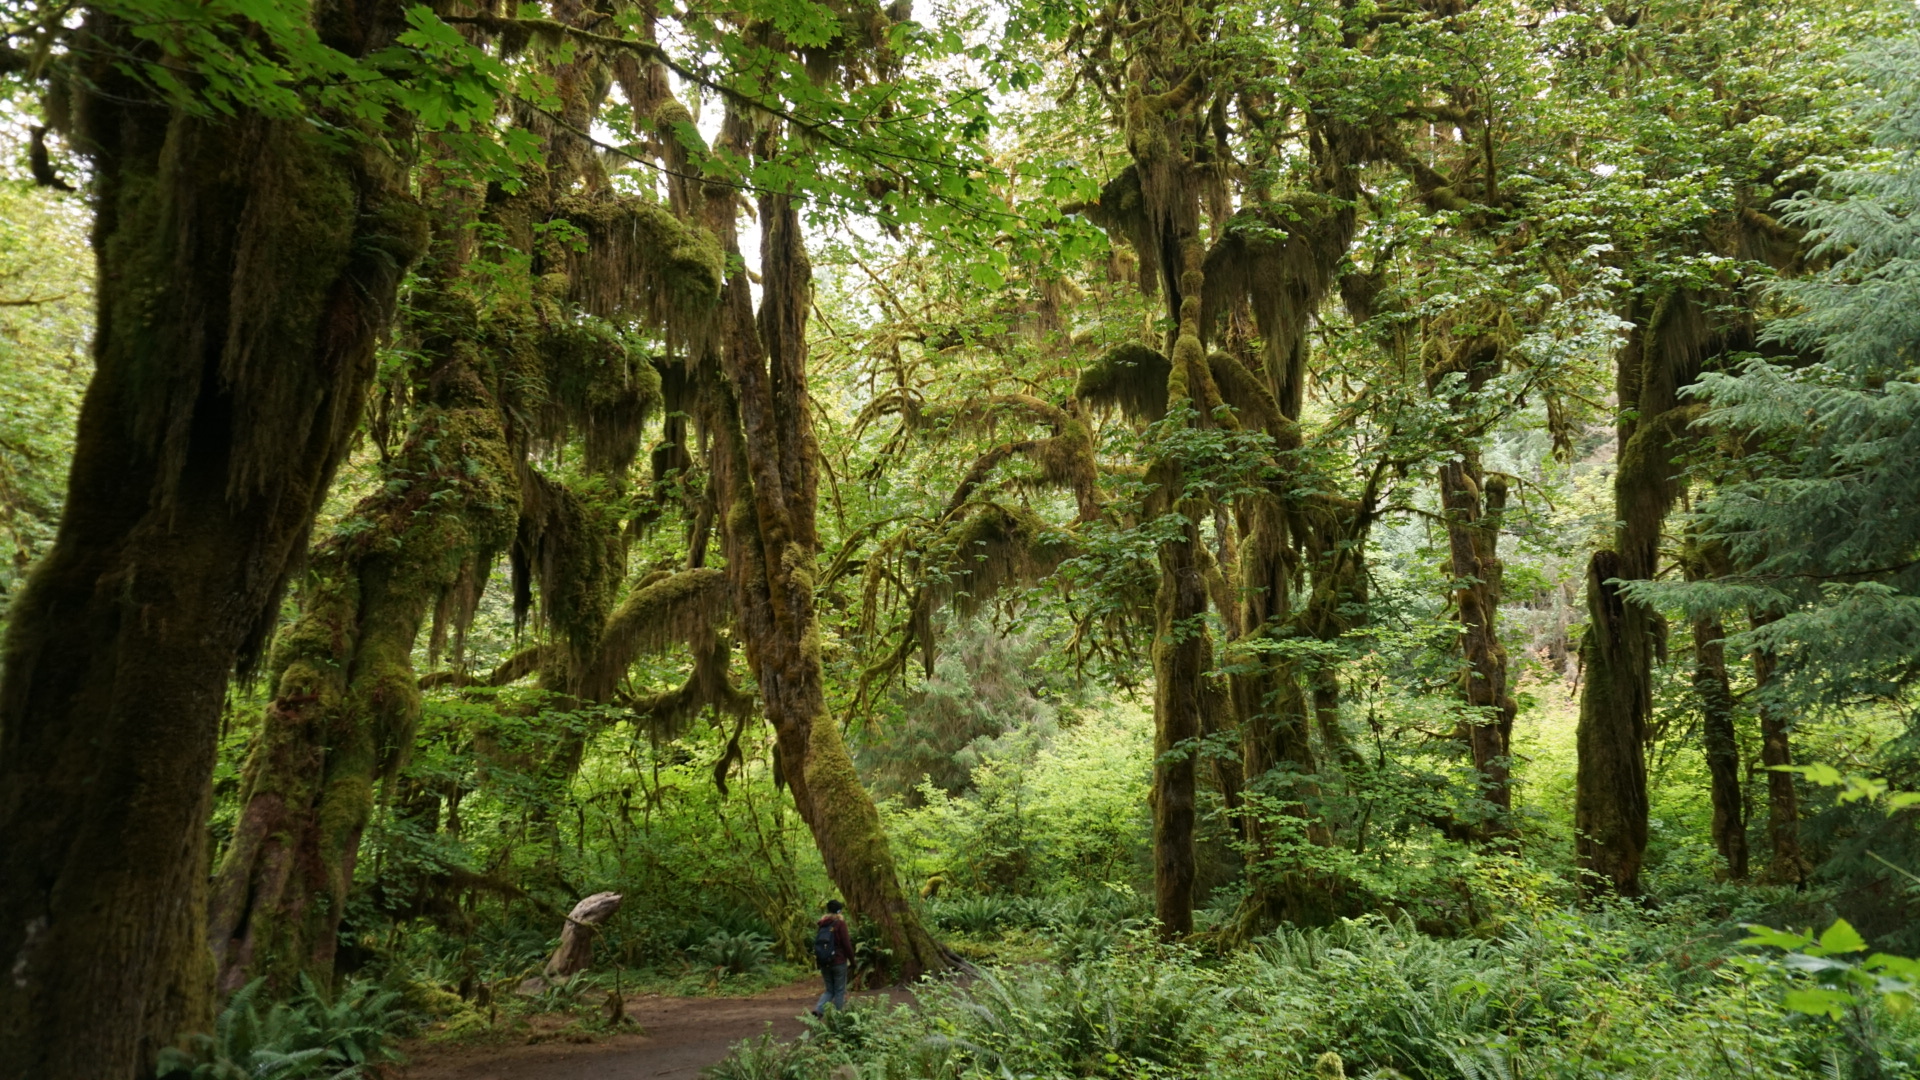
(678, 1037)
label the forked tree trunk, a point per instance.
(347, 699)
(245, 271)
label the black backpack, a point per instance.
(825, 949)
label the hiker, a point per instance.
(833, 951)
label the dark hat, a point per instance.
(834, 907)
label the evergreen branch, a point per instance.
(1845, 575)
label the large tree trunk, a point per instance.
(245, 270)
(1663, 354)
(1474, 504)
(347, 698)
(1610, 781)
(765, 464)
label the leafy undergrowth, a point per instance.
(1606, 995)
(310, 1035)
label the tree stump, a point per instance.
(575, 953)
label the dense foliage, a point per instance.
(1243, 539)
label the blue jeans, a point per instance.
(836, 995)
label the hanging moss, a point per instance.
(1121, 209)
(860, 49)
(599, 386)
(638, 261)
(1131, 378)
(1281, 259)
(991, 548)
(571, 548)
(679, 608)
(1250, 397)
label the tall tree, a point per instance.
(1685, 328)
(247, 264)
(513, 350)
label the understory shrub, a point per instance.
(1564, 996)
(312, 1035)
(734, 954)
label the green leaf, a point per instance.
(1841, 937)
(1779, 939)
(1819, 1002)
(1899, 966)
(986, 276)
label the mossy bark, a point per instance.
(244, 273)
(1182, 655)
(1663, 354)
(1610, 780)
(765, 466)
(347, 698)
(1719, 738)
(1721, 743)
(1182, 642)
(1473, 504)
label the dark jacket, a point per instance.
(842, 940)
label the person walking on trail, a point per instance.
(833, 951)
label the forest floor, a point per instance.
(676, 1037)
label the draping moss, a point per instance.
(600, 385)
(1131, 378)
(637, 261)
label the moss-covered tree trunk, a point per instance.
(1182, 641)
(244, 273)
(765, 464)
(1610, 783)
(1473, 504)
(1182, 656)
(347, 698)
(1721, 744)
(1719, 738)
(1664, 352)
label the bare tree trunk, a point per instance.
(1787, 863)
(245, 270)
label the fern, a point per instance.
(734, 954)
(310, 1037)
